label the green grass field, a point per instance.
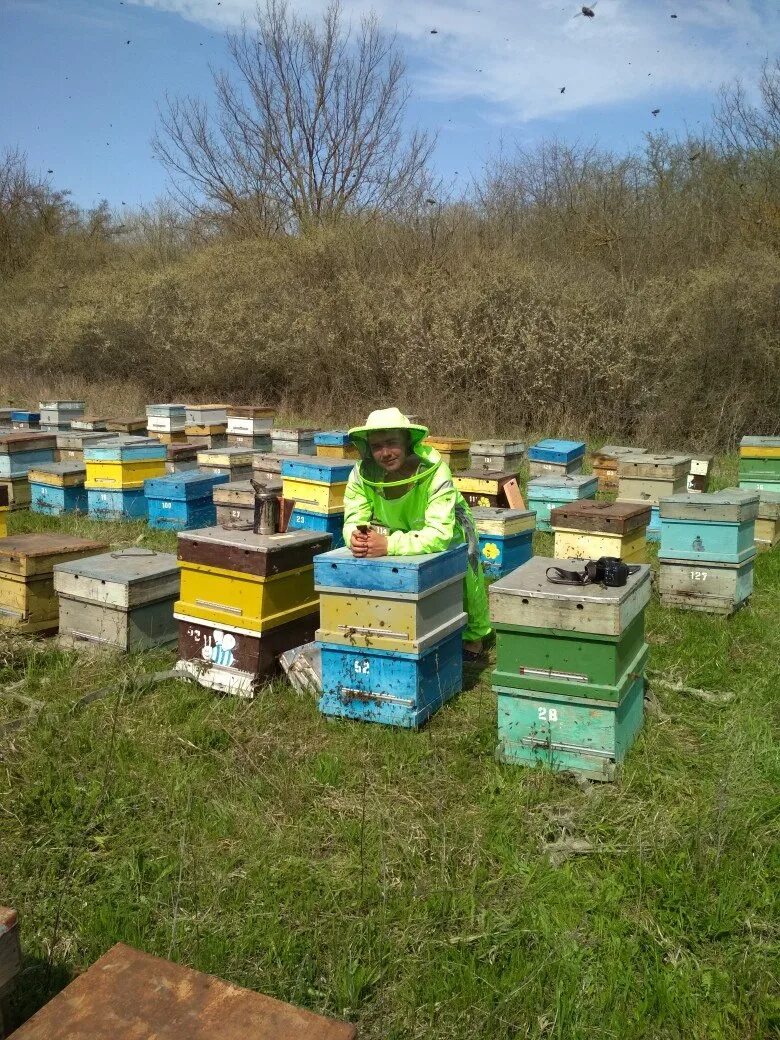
(406, 881)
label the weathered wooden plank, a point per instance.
(123, 579)
(619, 518)
(126, 993)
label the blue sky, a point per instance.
(82, 101)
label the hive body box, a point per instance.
(251, 421)
(20, 452)
(4, 510)
(166, 418)
(497, 455)
(553, 457)
(297, 440)
(16, 492)
(235, 462)
(569, 669)
(71, 443)
(391, 635)
(206, 415)
(235, 501)
(128, 427)
(21, 419)
(717, 528)
(453, 450)
(335, 444)
(89, 424)
(182, 501)
(545, 493)
(759, 463)
(587, 530)
(768, 521)
(649, 478)
(258, 442)
(484, 488)
(58, 415)
(505, 538)
(316, 485)
(58, 488)
(200, 437)
(604, 463)
(181, 458)
(715, 588)
(332, 524)
(245, 599)
(28, 602)
(122, 599)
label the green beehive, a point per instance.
(570, 662)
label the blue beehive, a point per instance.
(116, 505)
(388, 685)
(23, 416)
(714, 528)
(19, 463)
(653, 530)
(323, 471)
(302, 520)
(558, 451)
(126, 449)
(546, 493)
(501, 554)
(57, 488)
(182, 501)
(332, 439)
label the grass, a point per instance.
(407, 881)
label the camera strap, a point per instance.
(560, 576)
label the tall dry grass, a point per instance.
(572, 292)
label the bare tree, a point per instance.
(30, 210)
(308, 125)
(744, 126)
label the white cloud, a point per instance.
(514, 55)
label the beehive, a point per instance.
(497, 455)
(89, 424)
(268, 464)
(206, 415)
(71, 443)
(316, 485)
(453, 450)
(648, 478)
(545, 493)
(28, 602)
(166, 418)
(604, 464)
(335, 444)
(255, 442)
(768, 520)
(391, 634)
(235, 462)
(297, 440)
(22, 419)
(250, 421)
(332, 524)
(182, 501)
(759, 463)
(122, 599)
(16, 492)
(505, 538)
(555, 457)
(587, 530)
(484, 488)
(135, 425)
(58, 415)
(58, 488)
(235, 501)
(716, 528)
(20, 452)
(245, 599)
(708, 550)
(569, 669)
(116, 471)
(181, 458)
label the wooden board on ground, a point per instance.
(127, 993)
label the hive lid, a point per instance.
(448, 444)
(123, 566)
(249, 542)
(734, 505)
(18, 546)
(497, 448)
(503, 515)
(292, 433)
(61, 469)
(21, 440)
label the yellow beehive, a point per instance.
(453, 450)
(245, 602)
(590, 545)
(28, 602)
(122, 476)
(314, 496)
(177, 437)
(206, 431)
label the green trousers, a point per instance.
(475, 603)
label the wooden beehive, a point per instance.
(122, 599)
(28, 602)
(587, 530)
